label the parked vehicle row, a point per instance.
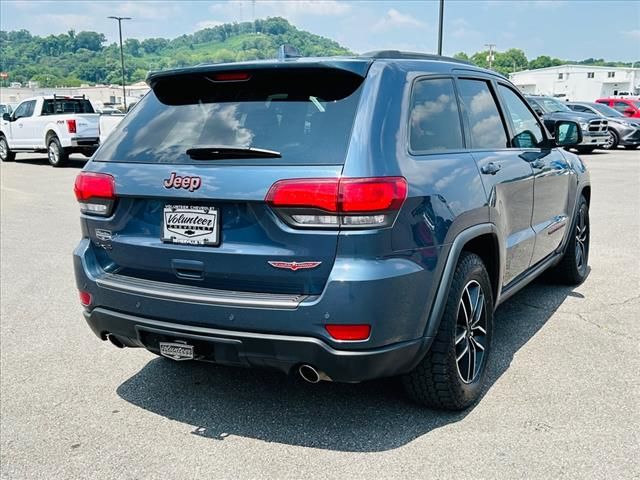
(602, 127)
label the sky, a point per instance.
(567, 29)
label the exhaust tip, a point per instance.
(114, 340)
(309, 373)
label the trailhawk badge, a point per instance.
(176, 351)
(293, 266)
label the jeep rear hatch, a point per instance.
(201, 151)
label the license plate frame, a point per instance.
(177, 351)
(188, 225)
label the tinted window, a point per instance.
(527, 131)
(306, 115)
(434, 117)
(579, 108)
(30, 108)
(25, 109)
(20, 110)
(606, 110)
(66, 105)
(487, 129)
(550, 105)
(621, 106)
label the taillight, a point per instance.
(347, 202)
(71, 126)
(85, 298)
(96, 193)
(349, 332)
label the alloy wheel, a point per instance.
(471, 332)
(610, 141)
(3, 149)
(54, 153)
(582, 239)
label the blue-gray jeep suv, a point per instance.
(339, 219)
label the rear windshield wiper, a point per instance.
(215, 152)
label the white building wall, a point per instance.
(578, 82)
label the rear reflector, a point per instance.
(85, 298)
(349, 332)
(351, 202)
(96, 192)
(71, 126)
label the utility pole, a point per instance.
(124, 92)
(440, 27)
(490, 57)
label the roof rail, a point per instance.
(397, 54)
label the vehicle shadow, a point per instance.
(75, 161)
(367, 417)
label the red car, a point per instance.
(626, 106)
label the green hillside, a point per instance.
(73, 58)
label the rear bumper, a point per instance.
(275, 330)
(249, 349)
(82, 142)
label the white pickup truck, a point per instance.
(53, 124)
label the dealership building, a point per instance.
(579, 82)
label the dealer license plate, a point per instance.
(176, 351)
(190, 224)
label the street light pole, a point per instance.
(441, 21)
(124, 92)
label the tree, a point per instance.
(90, 40)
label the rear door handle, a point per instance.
(491, 168)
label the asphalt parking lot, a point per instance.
(562, 400)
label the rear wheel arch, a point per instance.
(487, 247)
(49, 135)
(484, 241)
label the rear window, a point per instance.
(305, 114)
(66, 105)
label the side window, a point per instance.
(30, 108)
(487, 129)
(527, 131)
(579, 108)
(21, 110)
(434, 117)
(620, 106)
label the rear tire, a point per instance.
(612, 141)
(58, 157)
(452, 374)
(574, 266)
(6, 155)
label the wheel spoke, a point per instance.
(477, 314)
(480, 329)
(471, 366)
(464, 310)
(461, 336)
(477, 343)
(463, 353)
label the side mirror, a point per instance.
(629, 111)
(6, 117)
(539, 112)
(567, 133)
